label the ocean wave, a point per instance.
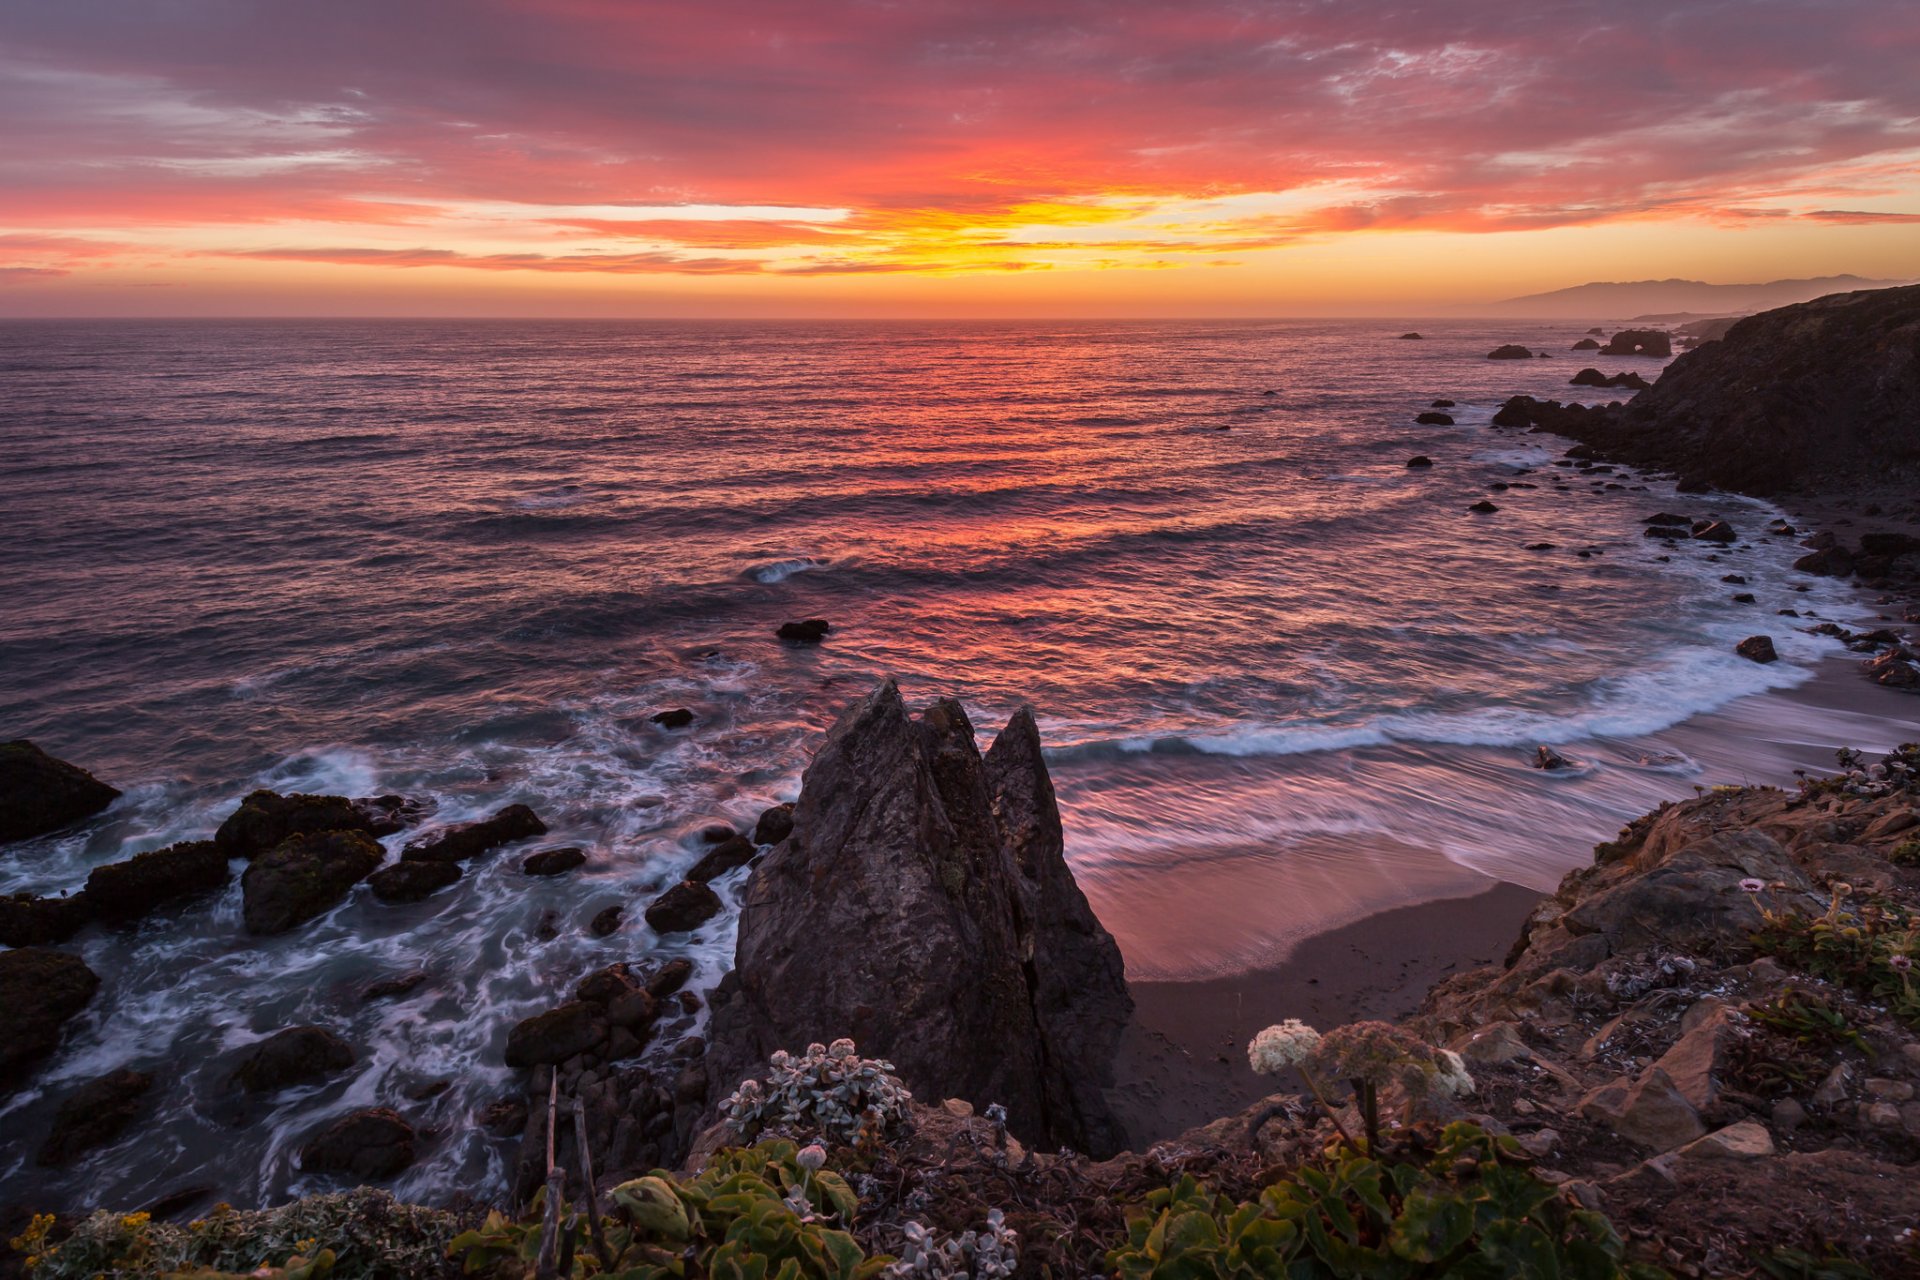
(781, 570)
(1689, 683)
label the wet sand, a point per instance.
(1183, 1062)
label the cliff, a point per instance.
(1812, 398)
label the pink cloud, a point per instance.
(1476, 115)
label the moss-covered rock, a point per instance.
(463, 840)
(266, 819)
(130, 889)
(303, 877)
(39, 794)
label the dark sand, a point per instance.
(1183, 1062)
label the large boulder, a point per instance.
(94, 1114)
(465, 840)
(921, 907)
(130, 889)
(1510, 351)
(39, 794)
(558, 1034)
(412, 881)
(370, 1144)
(683, 908)
(303, 877)
(265, 819)
(39, 991)
(294, 1055)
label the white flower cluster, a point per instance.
(1288, 1044)
(1450, 1078)
(829, 1088)
(972, 1255)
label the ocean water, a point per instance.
(467, 561)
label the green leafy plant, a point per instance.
(348, 1235)
(1906, 854)
(1463, 1206)
(766, 1212)
(1867, 947)
(1807, 1019)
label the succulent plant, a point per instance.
(829, 1089)
(988, 1254)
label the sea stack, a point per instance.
(922, 907)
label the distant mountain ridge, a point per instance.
(1604, 299)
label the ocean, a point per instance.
(1285, 680)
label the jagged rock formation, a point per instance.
(39, 794)
(1812, 397)
(922, 907)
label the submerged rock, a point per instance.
(677, 718)
(39, 990)
(93, 1115)
(1434, 418)
(1510, 352)
(1757, 649)
(292, 1056)
(464, 840)
(933, 876)
(809, 631)
(553, 862)
(1549, 759)
(1483, 507)
(303, 877)
(1411, 337)
(131, 889)
(369, 1144)
(606, 921)
(1419, 461)
(1586, 344)
(412, 881)
(39, 793)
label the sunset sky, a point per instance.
(979, 157)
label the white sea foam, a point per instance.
(781, 570)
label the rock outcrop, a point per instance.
(303, 877)
(266, 819)
(1639, 342)
(919, 869)
(1809, 398)
(464, 840)
(131, 889)
(39, 794)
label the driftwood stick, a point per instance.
(546, 1265)
(591, 1188)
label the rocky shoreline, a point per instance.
(1674, 1040)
